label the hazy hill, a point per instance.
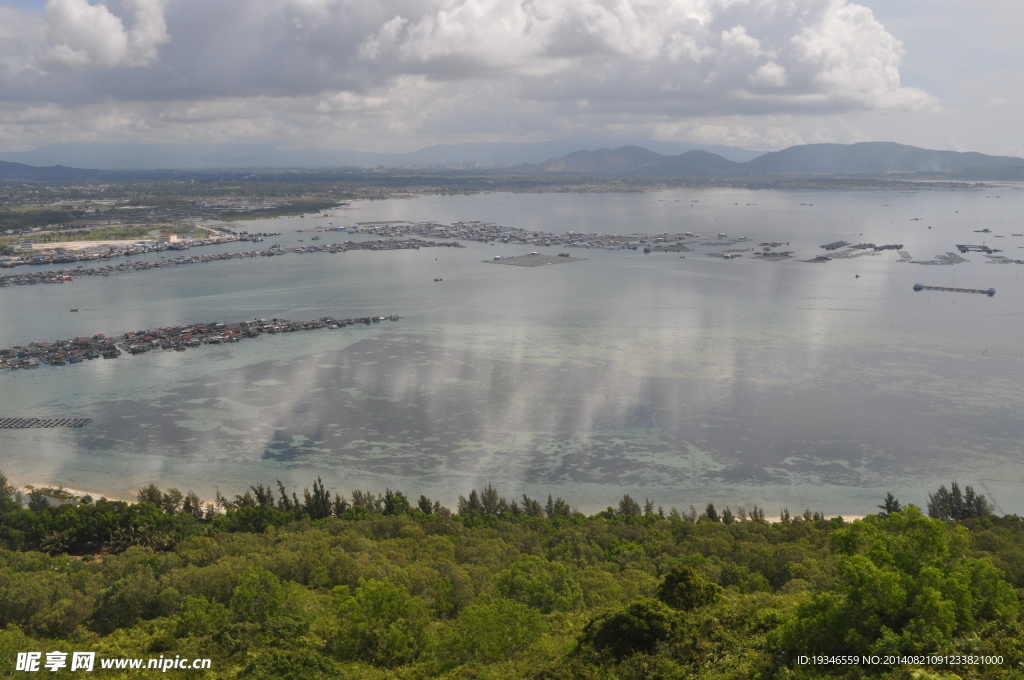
(626, 159)
(866, 158)
(135, 156)
(873, 157)
(56, 172)
(694, 163)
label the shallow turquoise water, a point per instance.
(682, 380)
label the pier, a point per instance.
(24, 423)
(174, 338)
(978, 291)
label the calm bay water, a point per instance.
(682, 380)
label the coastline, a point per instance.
(85, 245)
(26, 487)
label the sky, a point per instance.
(399, 75)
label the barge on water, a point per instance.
(978, 291)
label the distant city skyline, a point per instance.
(399, 75)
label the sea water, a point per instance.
(685, 380)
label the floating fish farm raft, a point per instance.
(535, 260)
(23, 423)
(69, 275)
(177, 338)
(967, 248)
(978, 291)
(836, 245)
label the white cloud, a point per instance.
(770, 75)
(19, 34)
(84, 36)
(434, 67)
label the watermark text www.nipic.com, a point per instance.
(87, 661)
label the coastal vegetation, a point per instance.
(289, 208)
(104, 233)
(121, 233)
(273, 583)
(26, 204)
(128, 205)
(18, 219)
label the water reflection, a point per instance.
(685, 381)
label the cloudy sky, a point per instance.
(397, 75)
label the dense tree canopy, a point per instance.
(277, 584)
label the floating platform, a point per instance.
(178, 338)
(978, 291)
(776, 256)
(836, 245)
(535, 260)
(948, 258)
(24, 423)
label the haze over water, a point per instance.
(683, 380)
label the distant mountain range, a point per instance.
(863, 159)
(55, 172)
(130, 156)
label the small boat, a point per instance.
(75, 309)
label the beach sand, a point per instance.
(82, 245)
(78, 493)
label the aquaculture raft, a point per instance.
(178, 338)
(979, 291)
(23, 423)
(535, 260)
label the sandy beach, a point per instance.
(82, 245)
(78, 493)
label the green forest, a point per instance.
(272, 583)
